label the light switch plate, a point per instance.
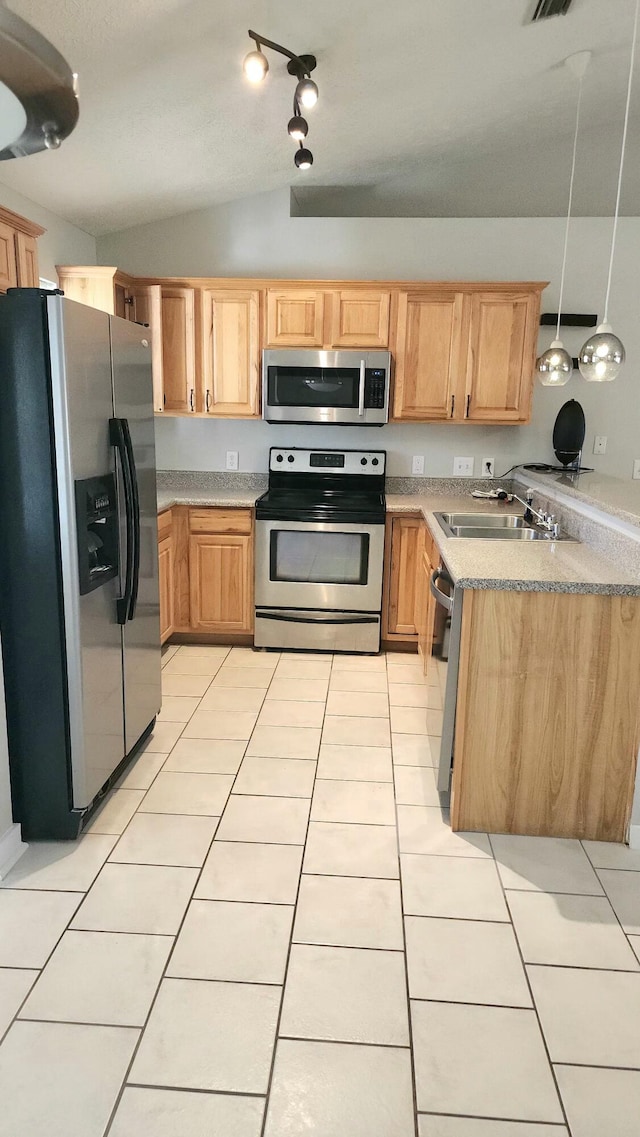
(463, 467)
(417, 464)
(232, 459)
(636, 468)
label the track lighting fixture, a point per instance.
(256, 66)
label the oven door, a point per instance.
(319, 565)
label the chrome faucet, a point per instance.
(545, 520)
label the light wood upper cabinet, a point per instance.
(295, 317)
(231, 352)
(428, 355)
(18, 251)
(8, 262)
(359, 318)
(178, 348)
(146, 308)
(27, 261)
(502, 340)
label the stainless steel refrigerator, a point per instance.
(79, 608)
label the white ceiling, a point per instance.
(427, 107)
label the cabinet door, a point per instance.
(165, 575)
(27, 261)
(220, 570)
(146, 308)
(231, 353)
(359, 318)
(295, 318)
(178, 349)
(502, 342)
(8, 267)
(429, 356)
(402, 583)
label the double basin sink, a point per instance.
(495, 527)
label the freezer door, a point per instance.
(82, 405)
(133, 405)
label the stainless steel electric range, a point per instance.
(320, 550)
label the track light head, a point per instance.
(303, 158)
(306, 93)
(255, 66)
(298, 127)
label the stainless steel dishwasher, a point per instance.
(449, 596)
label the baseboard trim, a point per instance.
(11, 849)
(634, 837)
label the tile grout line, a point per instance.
(530, 988)
(414, 1081)
(164, 976)
(293, 921)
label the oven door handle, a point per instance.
(285, 619)
(361, 389)
(441, 597)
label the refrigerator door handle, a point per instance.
(117, 440)
(133, 475)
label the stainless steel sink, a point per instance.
(488, 520)
(488, 534)
(495, 527)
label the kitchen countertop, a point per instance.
(521, 566)
(600, 491)
(223, 498)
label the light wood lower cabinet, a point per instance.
(428, 560)
(401, 559)
(206, 572)
(548, 714)
(166, 574)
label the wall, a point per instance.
(61, 244)
(257, 237)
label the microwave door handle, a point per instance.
(441, 597)
(361, 389)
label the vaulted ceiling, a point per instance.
(427, 107)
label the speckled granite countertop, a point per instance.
(600, 491)
(522, 566)
(225, 490)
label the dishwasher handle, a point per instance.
(441, 597)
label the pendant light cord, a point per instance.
(624, 143)
(566, 231)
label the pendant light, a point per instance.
(555, 366)
(602, 356)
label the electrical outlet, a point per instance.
(417, 464)
(488, 467)
(232, 459)
(463, 467)
(636, 468)
(600, 444)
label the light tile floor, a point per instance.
(269, 930)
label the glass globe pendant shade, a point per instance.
(255, 66)
(555, 366)
(602, 356)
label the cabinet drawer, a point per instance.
(164, 524)
(220, 520)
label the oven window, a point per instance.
(319, 558)
(313, 386)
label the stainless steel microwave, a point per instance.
(348, 387)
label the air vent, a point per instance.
(547, 8)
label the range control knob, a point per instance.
(363, 461)
(290, 458)
(374, 461)
(279, 458)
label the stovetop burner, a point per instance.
(329, 485)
